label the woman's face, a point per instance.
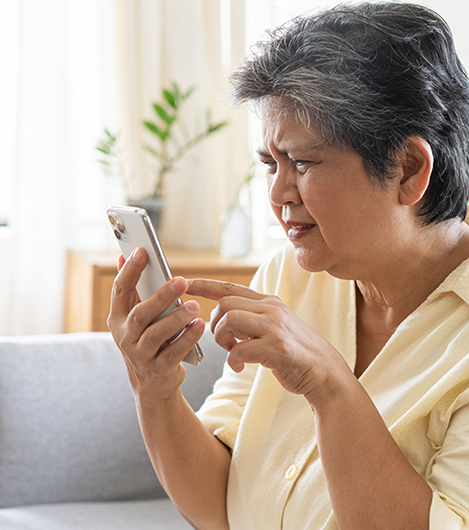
(336, 219)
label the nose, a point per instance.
(282, 186)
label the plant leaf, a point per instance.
(152, 151)
(111, 137)
(170, 98)
(163, 114)
(156, 130)
(104, 149)
(176, 90)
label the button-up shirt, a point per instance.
(419, 382)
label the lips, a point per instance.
(298, 229)
(303, 227)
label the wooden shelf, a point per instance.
(90, 277)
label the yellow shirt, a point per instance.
(419, 382)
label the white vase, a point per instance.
(236, 233)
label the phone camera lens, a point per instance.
(120, 227)
(111, 219)
(117, 234)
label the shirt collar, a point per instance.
(456, 282)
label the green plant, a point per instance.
(111, 162)
(172, 140)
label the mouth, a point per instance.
(297, 230)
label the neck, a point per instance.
(409, 278)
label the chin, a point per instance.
(309, 260)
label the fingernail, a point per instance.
(192, 306)
(198, 323)
(178, 285)
(137, 255)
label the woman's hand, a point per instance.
(154, 366)
(259, 328)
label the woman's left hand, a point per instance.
(260, 328)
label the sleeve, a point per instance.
(221, 413)
(449, 477)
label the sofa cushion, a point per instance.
(68, 425)
(144, 515)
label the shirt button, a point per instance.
(291, 473)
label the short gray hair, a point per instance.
(370, 75)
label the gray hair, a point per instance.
(370, 75)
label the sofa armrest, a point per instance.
(68, 425)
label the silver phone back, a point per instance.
(132, 228)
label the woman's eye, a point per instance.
(270, 165)
(301, 164)
(304, 165)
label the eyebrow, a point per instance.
(300, 147)
(261, 152)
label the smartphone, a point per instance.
(133, 228)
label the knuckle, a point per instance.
(232, 318)
(116, 287)
(136, 315)
(121, 345)
(273, 300)
(110, 320)
(201, 283)
(230, 288)
(222, 305)
(278, 311)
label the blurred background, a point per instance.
(72, 70)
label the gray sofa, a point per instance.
(71, 453)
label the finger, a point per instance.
(216, 290)
(233, 303)
(248, 351)
(238, 325)
(144, 314)
(120, 264)
(124, 294)
(175, 352)
(161, 332)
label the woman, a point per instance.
(345, 399)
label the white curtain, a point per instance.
(181, 40)
(58, 90)
(72, 68)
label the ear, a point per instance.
(416, 159)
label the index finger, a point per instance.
(216, 289)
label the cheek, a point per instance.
(277, 210)
(322, 202)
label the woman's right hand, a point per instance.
(154, 366)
